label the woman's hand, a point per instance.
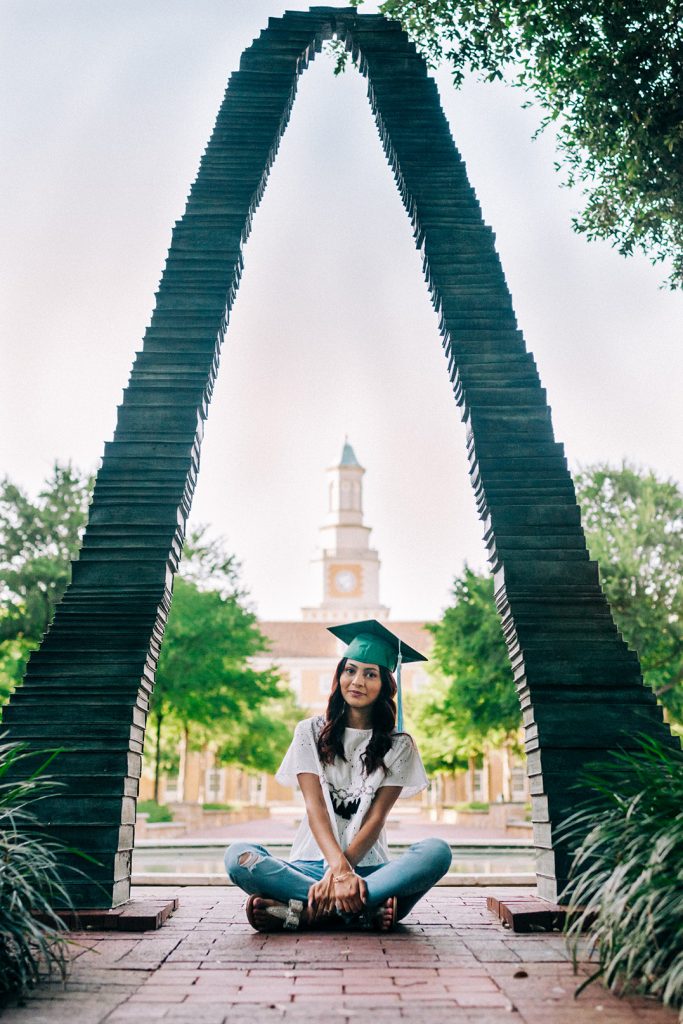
(321, 898)
(348, 895)
(351, 893)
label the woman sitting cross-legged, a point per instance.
(351, 764)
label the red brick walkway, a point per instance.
(451, 963)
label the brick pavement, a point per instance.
(450, 963)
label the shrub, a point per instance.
(218, 807)
(472, 805)
(157, 812)
(29, 880)
(626, 881)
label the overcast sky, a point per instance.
(107, 107)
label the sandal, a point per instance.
(286, 916)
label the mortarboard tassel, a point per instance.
(399, 698)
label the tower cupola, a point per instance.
(346, 568)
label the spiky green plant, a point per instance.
(30, 946)
(626, 884)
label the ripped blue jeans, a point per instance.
(409, 877)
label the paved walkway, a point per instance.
(451, 963)
(400, 829)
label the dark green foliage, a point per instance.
(202, 673)
(259, 740)
(204, 682)
(14, 655)
(29, 881)
(469, 651)
(38, 540)
(472, 701)
(607, 77)
(626, 882)
(429, 717)
(634, 528)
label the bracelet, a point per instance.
(344, 874)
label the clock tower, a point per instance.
(346, 568)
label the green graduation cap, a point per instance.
(372, 643)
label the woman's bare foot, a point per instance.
(384, 917)
(263, 921)
(258, 915)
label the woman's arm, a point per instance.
(373, 823)
(352, 892)
(322, 896)
(319, 820)
(349, 893)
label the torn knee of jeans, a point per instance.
(248, 859)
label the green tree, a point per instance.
(204, 682)
(14, 656)
(441, 735)
(469, 650)
(260, 738)
(607, 78)
(634, 527)
(473, 701)
(38, 541)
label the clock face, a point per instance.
(345, 580)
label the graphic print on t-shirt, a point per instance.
(344, 809)
(347, 799)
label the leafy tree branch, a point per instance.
(607, 79)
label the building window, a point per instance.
(256, 790)
(479, 780)
(325, 683)
(214, 785)
(518, 783)
(172, 788)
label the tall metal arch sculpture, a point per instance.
(87, 688)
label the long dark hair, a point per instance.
(330, 741)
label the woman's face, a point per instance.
(360, 683)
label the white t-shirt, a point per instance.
(348, 792)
